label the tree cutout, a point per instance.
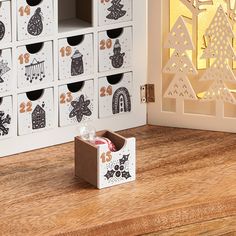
(231, 11)
(195, 6)
(180, 64)
(220, 36)
(116, 11)
(179, 37)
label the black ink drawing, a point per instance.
(117, 59)
(2, 30)
(121, 101)
(38, 118)
(77, 64)
(115, 10)
(35, 25)
(80, 109)
(3, 70)
(119, 170)
(35, 71)
(4, 121)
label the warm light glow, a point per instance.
(177, 8)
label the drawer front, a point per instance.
(76, 56)
(34, 20)
(6, 79)
(5, 22)
(76, 103)
(5, 117)
(35, 111)
(115, 49)
(115, 94)
(111, 12)
(35, 64)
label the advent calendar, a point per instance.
(114, 64)
(64, 64)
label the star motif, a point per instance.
(80, 109)
(126, 175)
(124, 159)
(110, 174)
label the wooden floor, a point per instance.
(186, 185)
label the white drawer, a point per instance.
(115, 94)
(111, 12)
(5, 117)
(5, 22)
(76, 103)
(76, 56)
(35, 64)
(35, 111)
(115, 49)
(34, 18)
(6, 79)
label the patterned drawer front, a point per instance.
(117, 167)
(115, 94)
(35, 111)
(115, 49)
(76, 102)
(34, 18)
(5, 117)
(5, 22)
(114, 11)
(6, 79)
(76, 56)
(35, 64)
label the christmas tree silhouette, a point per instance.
(219, 49)
(180, 64)
(116, 11)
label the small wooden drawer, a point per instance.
(115, 94)
(115, 49)
(76, 56)
(76, 103)
(35, 64)
(111, 12)
(6, 79)
(103, 168)
(34, 18)
(5, 22)
(35, 111)
(5, 117)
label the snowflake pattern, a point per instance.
(3, 69)
(119, 170)
(80, 108)
(4, 121)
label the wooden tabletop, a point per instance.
(186, 185)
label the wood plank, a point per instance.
(220, 227)
(184, 177)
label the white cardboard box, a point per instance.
(35, 111)
(103, 168)
(115, 94)
(72, 97)
(6, 117)
(35, 64)
(5, 22)
(111, 12)
(76, 56)
(6, 79)
(34, 20)
(115, 49)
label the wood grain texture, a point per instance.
(184, 177)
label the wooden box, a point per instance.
(103, 168)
